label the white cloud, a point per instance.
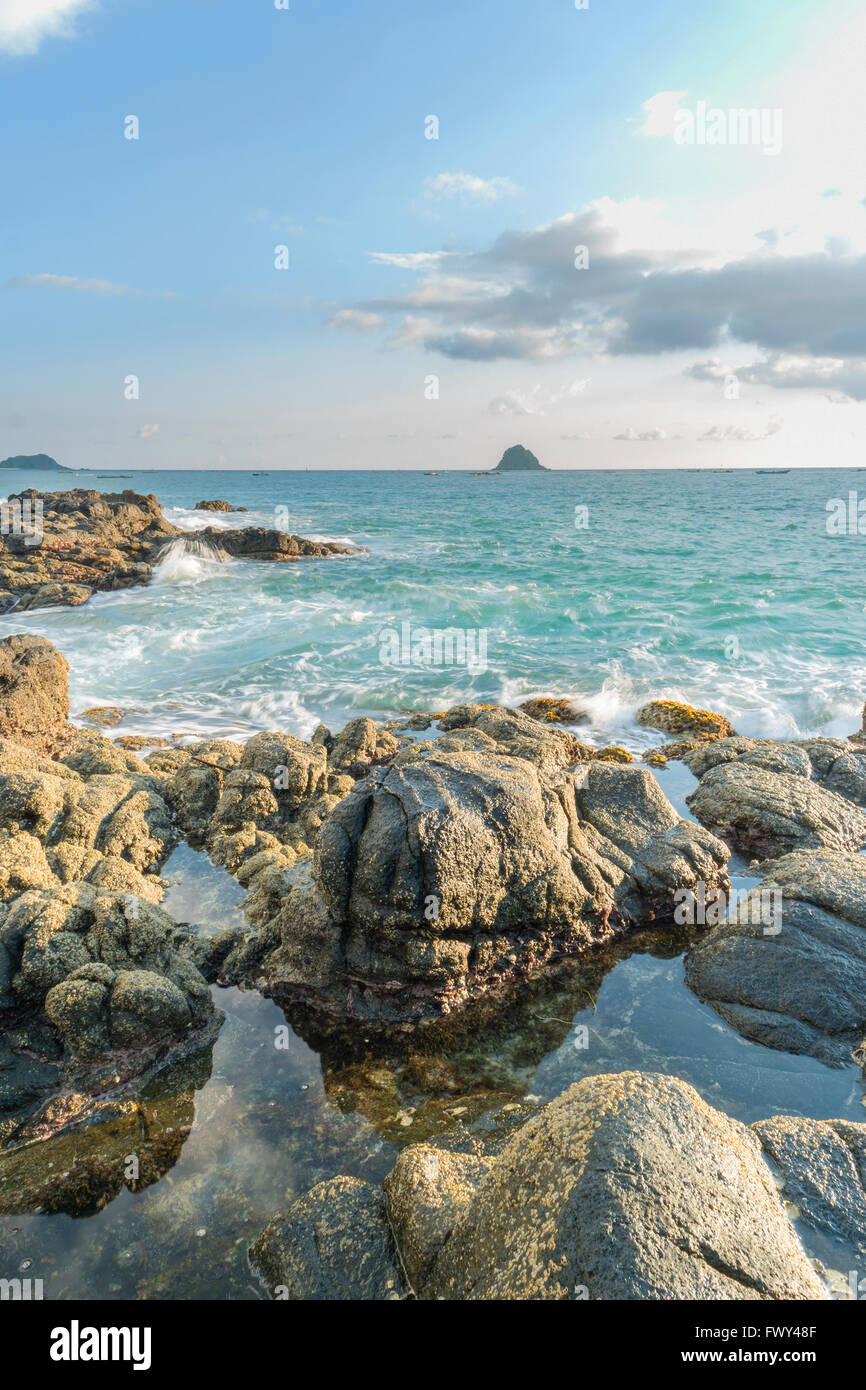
(469, 186)
(356, 320)
(409, 260)
(75, 282)
(147, 431)
(25, 23)
(645, 436)
(741, 433)
(538, 401)
(661, 111)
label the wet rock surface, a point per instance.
(92, 541)
(625, 1187)
(444, 876)
(803, 987)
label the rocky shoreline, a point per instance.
(396, 885)
(77, 543)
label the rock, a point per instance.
(613, 754)
(441, 879)
(144, 1006)
(93, 541)
(551, 710)
(833, 763)
(218, 505)
(764, 813)
(517, 459)
(672, 717)
(823, 1164)
(626, 1187)
(34, 700)
(333, 1244)
(427, 1191)
(296, 771)
(103, 966)
(359, 747)
(499, 729)
(803, 988)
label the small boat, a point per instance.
(431, 475)
(261, 475)
(772, 470)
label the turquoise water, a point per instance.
(644, 602)
(723, 589)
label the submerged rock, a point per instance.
(626, 1187)
(801, 988)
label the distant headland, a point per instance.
(519, 460)
(41, 461)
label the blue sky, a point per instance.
(414, 258)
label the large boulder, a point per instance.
(801, 988)
(769, 806)
(440, 879)
(34, 699)
(626, 1187)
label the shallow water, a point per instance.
(231, 1139)
(642, 604)
(723, 589)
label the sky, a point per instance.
(381, 234)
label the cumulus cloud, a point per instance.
(75, 282)
(25, 23)
(469, 187)
(525, 297)
(846, 380)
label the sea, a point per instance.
(738, 591)
(741, 592)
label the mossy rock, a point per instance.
(102, 716)
(672, 717)
(549, 710)
(613, 754)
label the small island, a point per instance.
(519, 460)
(43, 462)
